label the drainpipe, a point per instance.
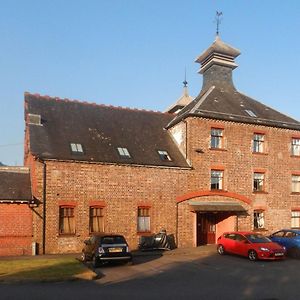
(44, 205)
(176, 234)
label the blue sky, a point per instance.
(133, 53)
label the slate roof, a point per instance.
(226, 103)
(15, 184)
(100, 129)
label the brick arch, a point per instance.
(196, 194)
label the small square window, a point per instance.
(76, 148)
(164, 155)
(123, 152)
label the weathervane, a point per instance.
(218, 20)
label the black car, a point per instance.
(106, 248)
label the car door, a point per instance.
(230, 242)
(278, 237)
(241, 245)
(288, 240)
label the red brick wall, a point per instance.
(15, 229)
(122, 188)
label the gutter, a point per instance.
(44, 204)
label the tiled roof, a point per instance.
(100, 130)
(226, 103)
(15, 184)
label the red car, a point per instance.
(252, 245)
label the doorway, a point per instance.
(206, 228)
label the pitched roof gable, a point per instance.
(219, 102)
(100, 130)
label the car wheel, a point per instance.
(83, 257)
(221, 249)
(96, 262)
(252, 255)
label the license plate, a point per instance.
(278, 254)
(115, 250)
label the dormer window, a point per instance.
(123, 152)
(250, 113)
(76, 148)
(164, 155)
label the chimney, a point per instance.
(217, 63)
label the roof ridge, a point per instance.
(55, 98)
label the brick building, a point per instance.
(15, 211)
(221, 161)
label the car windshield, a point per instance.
(257, 238)
(113, 240)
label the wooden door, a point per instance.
(206, 228)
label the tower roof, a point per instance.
(218, 53)
(184, 100)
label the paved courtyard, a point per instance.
(197, 273)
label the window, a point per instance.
(296, 146)
(259, 219)
(216, 138)
(96, 219)
(66, 220)
(123, 152)
(143, 219)
(258, 182)
(164, 155)
(216, 180)
(76, 148)
(295, 183)
(250, 113)
(258, 143)
(295, 221)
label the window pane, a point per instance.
(258, 182)
(216, 180)
(295, 183)
(96, 219)
(258, 143)
(295, 146)
(216, 138)
(66, 220)
(143, 219)
(295, 220)
(259, 221)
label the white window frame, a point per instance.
(216, 138)
(164, 155)
(295, 146)
(258, 219)
(143, 219)
(216, 178)
(259, 181)
(123, 152)
(76, 148)
(295, 219)
(295, 183)
(258, 143)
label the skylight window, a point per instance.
(250, 113)
(76, 148)
(164, 155)
(123, 152)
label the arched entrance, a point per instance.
(207, 214)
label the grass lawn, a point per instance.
(43, 269)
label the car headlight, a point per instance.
(264, 249)
(101, 250)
